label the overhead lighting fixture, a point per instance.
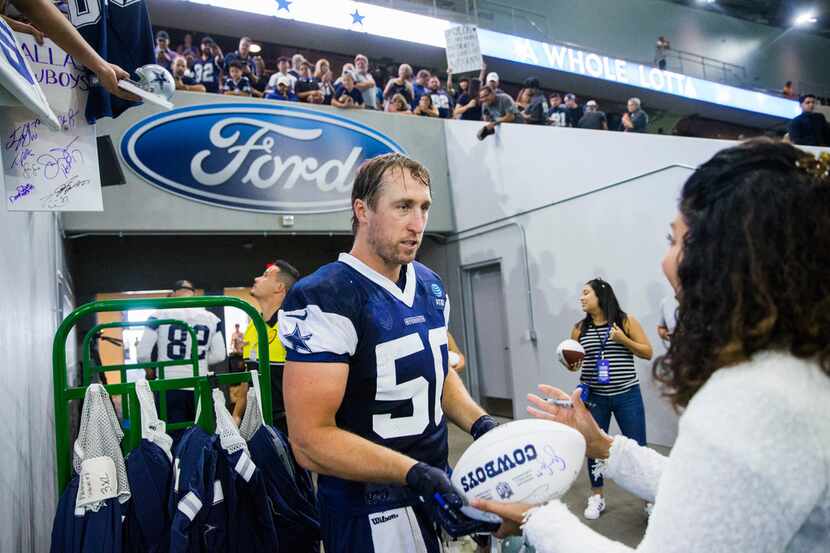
(805, 18)
(255, 48)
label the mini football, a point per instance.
(570, 352)
(157, 80)
(529, 460)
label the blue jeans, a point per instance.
(628, 409)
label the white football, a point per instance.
(156, 79)
(528, 460)
(570, 352)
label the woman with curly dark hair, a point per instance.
(748, 366)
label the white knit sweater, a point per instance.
(749, 472)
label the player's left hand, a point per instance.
(435, 489)
(617, 335)
(511, 513)
(482, 425)
(108, 76)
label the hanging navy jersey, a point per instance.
(393, 338)
(149, 471)
(86, 531)
(120, 31)
(290, 491)
(250, 526)
(192, 529)
(207, 73)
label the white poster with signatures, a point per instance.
(46, 170)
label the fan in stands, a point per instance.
(570, 354)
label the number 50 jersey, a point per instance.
(394, 341)
(172, 342)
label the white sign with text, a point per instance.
(17, 80)
(463, 51)
(44, 169)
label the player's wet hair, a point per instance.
(754, 268)
(367, 183)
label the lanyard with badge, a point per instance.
(603, 365)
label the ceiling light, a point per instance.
(255, 48)
(805, 18)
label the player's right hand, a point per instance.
(435, 489)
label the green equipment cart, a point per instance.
(201, 385)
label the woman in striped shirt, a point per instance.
(611, 339)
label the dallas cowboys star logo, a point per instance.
(297, 340)
(283, 5)
(158, 77)
(357, 18)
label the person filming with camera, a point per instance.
(496, 108)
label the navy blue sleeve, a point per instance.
(318, 323)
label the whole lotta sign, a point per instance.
(255, 157)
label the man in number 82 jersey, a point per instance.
(172, 342)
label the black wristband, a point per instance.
(482, 425)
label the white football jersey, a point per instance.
(172, 342)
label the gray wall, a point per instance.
(139, 206)
(590, 230)
(30, 259)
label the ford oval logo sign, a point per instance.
(257, 157)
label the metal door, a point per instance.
(490, 332)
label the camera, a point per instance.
(485, 132)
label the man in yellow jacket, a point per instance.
(269, 290)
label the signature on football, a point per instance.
(550, 462)
(60, 196)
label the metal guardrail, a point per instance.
(704, 67)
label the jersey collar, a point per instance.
(407, 297)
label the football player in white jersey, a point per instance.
(172, 342)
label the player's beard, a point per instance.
(390, 251)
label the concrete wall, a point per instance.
(30, 259)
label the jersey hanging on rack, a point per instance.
(80, 531)
(290, 491)
(172, 342)
(120, 31)
(250, 525)
(89, 514)
(149, 471)
(192, 498)
(291, 498)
